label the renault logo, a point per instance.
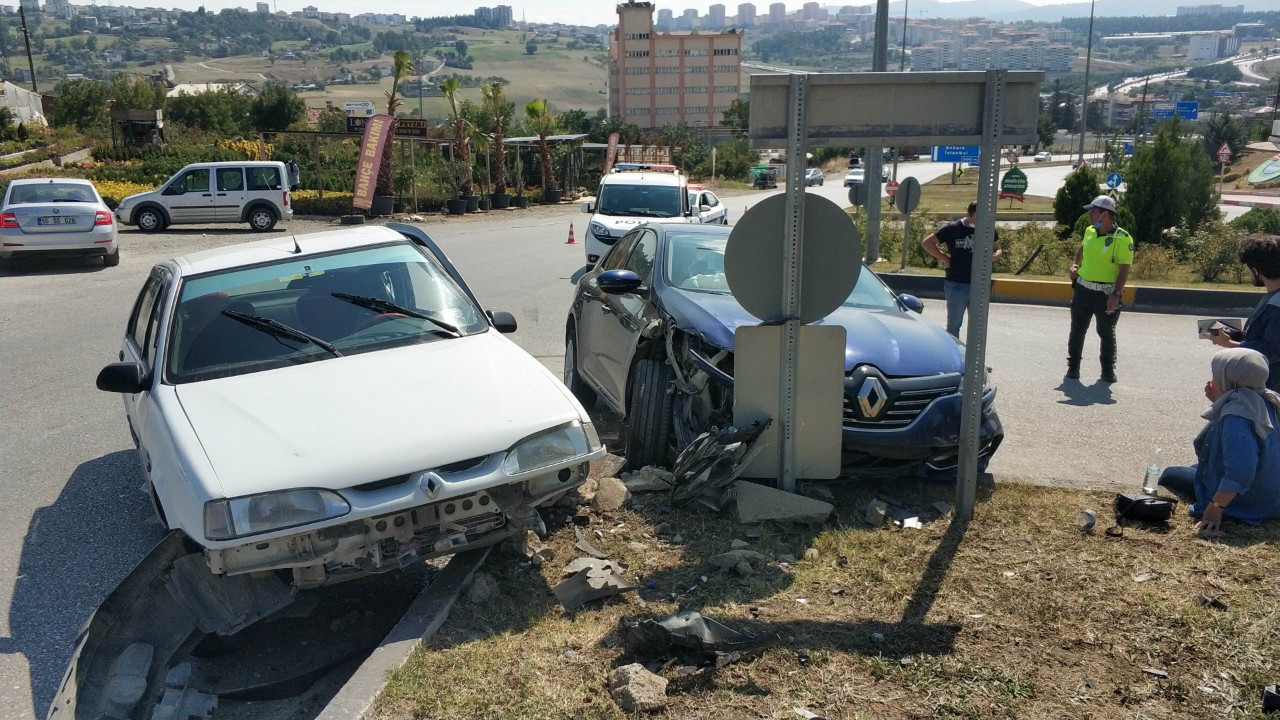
(871, 397)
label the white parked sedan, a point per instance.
(55, 217)
(339, 403)
(707, 207)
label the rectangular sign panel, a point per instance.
(1169, 110)
(376, 131)
(891, 108)
(412, 127)
(955, 153)
(363, 108)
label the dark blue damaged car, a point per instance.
(650, 337)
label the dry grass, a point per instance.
(939, 195)
(1020, 615)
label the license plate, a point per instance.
(56, 220)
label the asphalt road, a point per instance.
(75, 520)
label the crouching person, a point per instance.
(1237, 474)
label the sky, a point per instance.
(591, 12)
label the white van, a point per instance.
(634, 193)
(218, 192)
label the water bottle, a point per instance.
(1152, 476)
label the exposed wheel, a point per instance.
(261, 219)
(351, 220)
(649, 414)
(150, 220)
(112, 259)
(572, 379)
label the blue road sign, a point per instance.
(955, 153)
(1128, 148)
(1113, 180)
(1189, 110)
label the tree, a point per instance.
(458, 123)
(82, 104)
(495, 104)
(530, 48)
(543, 123)
(575, 121)
(401, 67)
(1079, 189)
(135, 92)
(1046, 129)
(1224, 128)
(276, 108)
(738, 115)
(1170, 183)
(460, 47)
(224, 111)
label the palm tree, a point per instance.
(401, 67)
(495, 102)
(458, 122)
(543, 123)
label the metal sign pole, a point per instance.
(975, 355)
(797, 146)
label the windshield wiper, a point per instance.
(386, 306)
(279, 329)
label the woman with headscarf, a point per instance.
(1237, 475)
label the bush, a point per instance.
(1259, 220)
(1153, 262)
(1079, 189)
(1020, 243)
(1211, 251)
(309, 202)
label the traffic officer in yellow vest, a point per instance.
(1098, 277)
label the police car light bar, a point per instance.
(640, 167)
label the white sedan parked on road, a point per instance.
(55, 217)
(339, 403)
(707, 208)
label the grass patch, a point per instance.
(1019, 615)
(939, 195)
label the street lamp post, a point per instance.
(1084, 99)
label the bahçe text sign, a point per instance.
(376, 130)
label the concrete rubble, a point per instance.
(757, 503)
(743, 562)
(877, 512)
(482, 587)
(608, 466)
(635, 689)
(611, 495)
(648, 479)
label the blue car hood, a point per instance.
(900, 344)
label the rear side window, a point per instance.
(264, 178)
(230, 179)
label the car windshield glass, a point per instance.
(405, 298)
(51, 193)
(695, 261)
(642, 200)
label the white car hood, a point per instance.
(346, 421)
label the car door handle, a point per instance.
(207, 195)
(222, 194)
(604, 308)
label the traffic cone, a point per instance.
(570, 241)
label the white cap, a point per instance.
(1102, 202)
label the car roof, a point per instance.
(282, 247)
(39, 181)
(233, 163)
(643, 178)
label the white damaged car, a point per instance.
(338, 404)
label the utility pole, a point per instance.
(902, 67)
(1084, 99)
(874, 158)
(26, 38)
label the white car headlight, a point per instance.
(599, 230)
(552, 447)
(254, 514)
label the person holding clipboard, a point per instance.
(1261, 254)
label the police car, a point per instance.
(635, 193)
(706, 207)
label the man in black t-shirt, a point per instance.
(958, 261)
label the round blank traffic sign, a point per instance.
(831, 258)
(858, 194)
(908, 195)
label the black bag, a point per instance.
(1136, 506)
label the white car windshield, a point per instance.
(639, 200)
(260, 317)
(695, 261)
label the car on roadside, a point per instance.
(885, 174)
(55, 217)
(1043, 156)
(813, 176)
(855, 176)
(338, 403)
(631, 194)
(706, 206)
(650, 337)
(253, 192)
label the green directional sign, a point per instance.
(1014, 183)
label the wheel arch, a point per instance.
(256, 204)
(151, 205)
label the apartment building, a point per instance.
(1211, 46)
(715, 17)
(746, 15)
(665, 78)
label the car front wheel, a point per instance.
(150, 220)
(649, 414)
(572, 379)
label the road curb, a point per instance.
(423, 619)
(1188, 301)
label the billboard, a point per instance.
(376, 130)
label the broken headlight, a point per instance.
(552, 447)
(254, 514)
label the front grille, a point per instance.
(875, 402)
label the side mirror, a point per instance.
(911, 302)
(503, 321)
(617, 282)
(588, 206)
(123, 377)
(704, 208)
(175, 189)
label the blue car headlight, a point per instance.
(552, 447)
(255, 514)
